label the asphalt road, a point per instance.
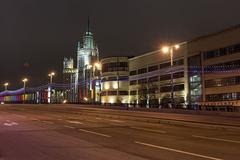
(67, 132)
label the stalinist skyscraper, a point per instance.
(87, 56)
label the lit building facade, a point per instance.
(150, 79)
(205, 75)
(214, 70)
(115, 80)
(87, 57)
(70, 77)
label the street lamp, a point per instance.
(51, 76)
(170, 49)
(6, 86)
(24, 87)
(24, 82)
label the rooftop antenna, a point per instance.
(88, 28)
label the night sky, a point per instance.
(35, 35)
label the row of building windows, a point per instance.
(115, 66)
(222, 82)
(157, 78)
(156, 67)
(120, 78)
(114, 93)
(223, 67)
(223, 97)
(222, 51)
(176, 88)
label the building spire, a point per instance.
(88, 27)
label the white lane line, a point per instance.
(34, 119)
(69, 127)
(96, 133)
(115, 120)
(8, 123)
(20, 116)
(149, 130)
(178, 151)
(75, 122)
(216, 139)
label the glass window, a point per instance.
(132, 73)
(178, 75)
(115, 66)
(152, 68)
(142, 81)
(153, 79)
(165, 77)
(133, 93)
(134, 82)
(142, 70)
(123, 92)
(112, 93)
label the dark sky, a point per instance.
(35, 35)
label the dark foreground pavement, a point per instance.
(57, 132)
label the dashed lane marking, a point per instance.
(117, 121)
(177, 151)
(149, 130)
(9, 123)
(75, 122)
(216, 139)
(96, 133)
(69, 127)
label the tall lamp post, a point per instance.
(6, 86)
(24, 87)
(170, 49)
(49, 87)
(51, 76)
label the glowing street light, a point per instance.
(97, 65)
(25, 80)
(51, 76)
(170, 49)
(6, 85)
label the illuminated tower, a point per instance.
(70, 77)
(87, 56)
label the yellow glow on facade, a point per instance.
(97, 65)
(115, 85)
(106, 86)
(85, 99)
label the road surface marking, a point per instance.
(75, 122)
(100, 134)
(149, 130)
(178, 151)
(69, 127)
(20, 116)
(8, 123)
(34, 119)
(117, 121)
(216, 139)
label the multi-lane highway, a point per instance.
(68, 132)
